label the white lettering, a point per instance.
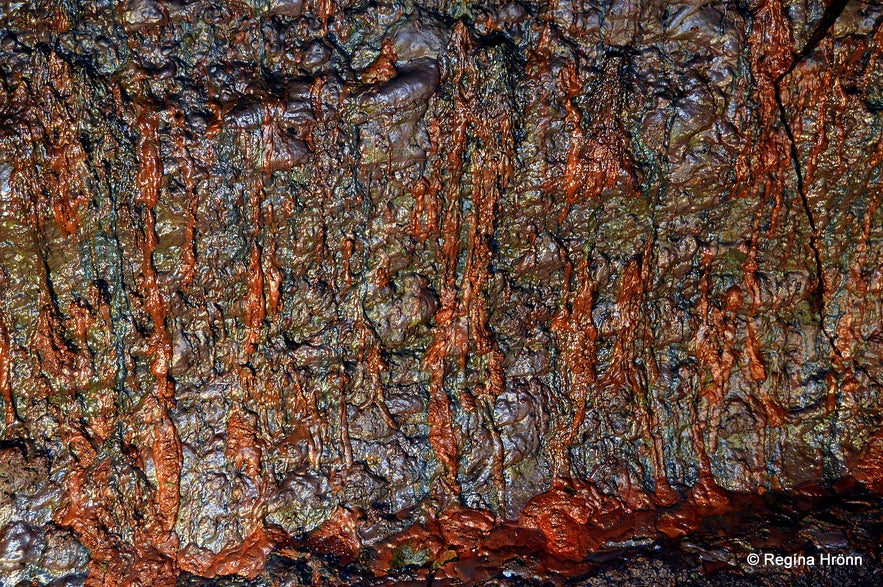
(840, 560)
(788, 561)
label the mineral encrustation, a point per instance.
(321, 292)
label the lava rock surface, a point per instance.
(518, 293)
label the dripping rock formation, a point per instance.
(321, 292)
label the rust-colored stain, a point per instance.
(454, 293)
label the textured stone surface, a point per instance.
(322, 290)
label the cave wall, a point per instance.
(274, 270)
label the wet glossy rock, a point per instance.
(462, 292)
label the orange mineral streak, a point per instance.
(246, 559)
(338, 536)
(576, 518)
(868, 468)
(384, 67)
(771, 57)
(863, 270)
(67, 165)
(311, 423)
(492, 177)
(773, 412)
(188, 250)
(768, 160)
(255, 300)
(771, 46)
(9, 414)
(447, 337)
(575, 172)
(89, 522)
(493, 169)
(324, 9)
(555, 534)
(822, 92)
(633, 369)
(371, 356)
(156, 542)
(442, 436)
(598, 158)
(272, 274)
(349, 248)
(576, 335)
(715, 335)
(424, 216)
(61, 177)
(538, 74)
(462, 320)
(243, 452)
(761, 170)
(150, 173)
(340, 381)
(761, 167)
(53, 169)
(456, 541)
(57, 355)
(167, 460)
(749, 270)
(89, 490)
(824, 87)
(255, 308)
(242, 448)
(463, 529)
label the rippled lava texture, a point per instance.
(333, 292)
